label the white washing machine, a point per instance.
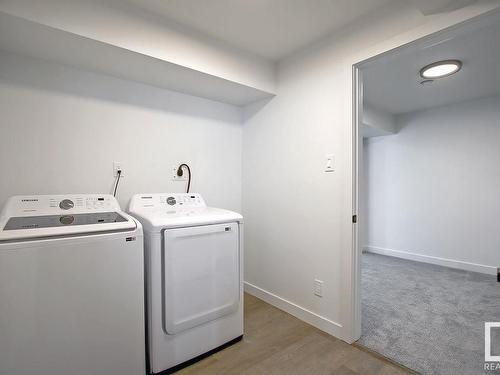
(71, 287)
(194, 273)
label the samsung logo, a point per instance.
(29, 200)
(146, 197)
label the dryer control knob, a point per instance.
(66, 204)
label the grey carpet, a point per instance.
(428, 318)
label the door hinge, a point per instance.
(354, 219)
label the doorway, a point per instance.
(426, 156)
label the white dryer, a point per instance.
(194, 273)
(71, 287)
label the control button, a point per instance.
(67, 219)
(66, 204)
(171, 201)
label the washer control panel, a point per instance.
(173, 200)
(62, 204)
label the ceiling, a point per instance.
(270, 29)
(392, 83)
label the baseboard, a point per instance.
(489, 270)
(318, 321)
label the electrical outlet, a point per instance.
(318, 288)
(117, 166)
(184, 176)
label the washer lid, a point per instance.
(34, 217)
(159, 211)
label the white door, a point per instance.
(201, 275)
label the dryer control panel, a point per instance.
(169, 200)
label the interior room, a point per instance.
(429, 177)
(199, 187)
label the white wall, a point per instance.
(61, 129)
(433, 189)
(298, 218)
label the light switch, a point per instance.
(329, 163)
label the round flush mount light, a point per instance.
(440, 69)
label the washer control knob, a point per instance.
(66, 204)
(171, 201)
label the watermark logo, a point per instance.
(491, 361)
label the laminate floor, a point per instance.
(276, 343)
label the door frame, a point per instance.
(357, 108)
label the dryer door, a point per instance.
(200, 275)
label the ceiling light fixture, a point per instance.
(440, 69)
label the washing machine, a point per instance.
(71, 287)
(194, 273)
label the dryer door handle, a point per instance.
(201, 230)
